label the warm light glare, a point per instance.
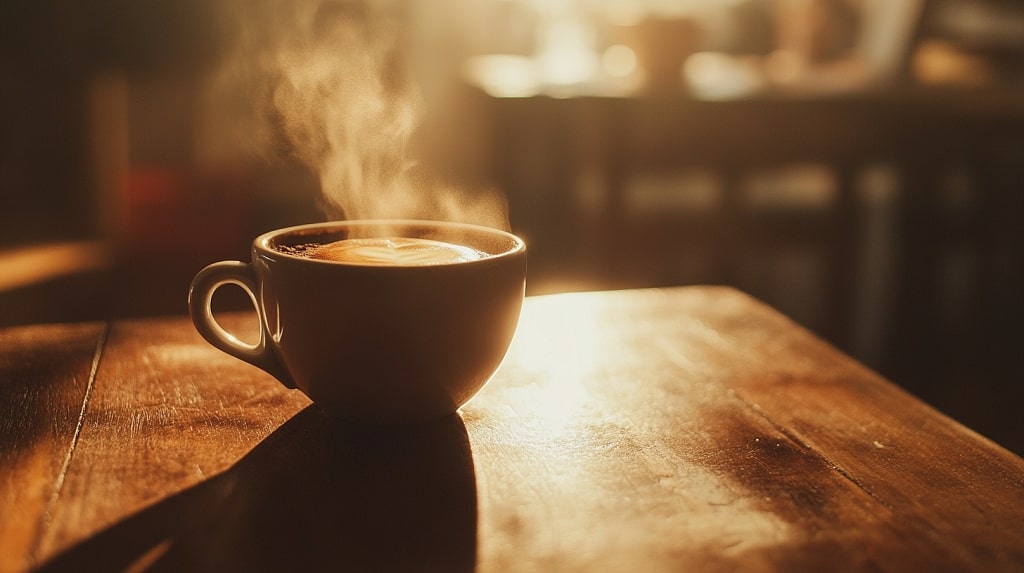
(31, 265)
(566, 56)
(504, 75)
(715, 75)
(567, 67)
(563, 354)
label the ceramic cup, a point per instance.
(377, 342)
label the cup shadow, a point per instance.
(317, 494)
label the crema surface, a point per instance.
(394, 251)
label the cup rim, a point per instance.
(262, 242)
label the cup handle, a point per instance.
(200, 295)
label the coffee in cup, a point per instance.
(396, 251)
(376, 321)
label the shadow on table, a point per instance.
(315, 495)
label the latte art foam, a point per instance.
(394, 251)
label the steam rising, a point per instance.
(328, 86)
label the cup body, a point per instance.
(386, 344)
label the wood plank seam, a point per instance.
(791, 436)
(44, 520)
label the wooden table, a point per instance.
(689, 429)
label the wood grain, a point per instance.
(655, 430)
(705, 431)
(44, 382)
(167, 412)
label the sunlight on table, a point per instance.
(561, 360)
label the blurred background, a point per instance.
(857, 164)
